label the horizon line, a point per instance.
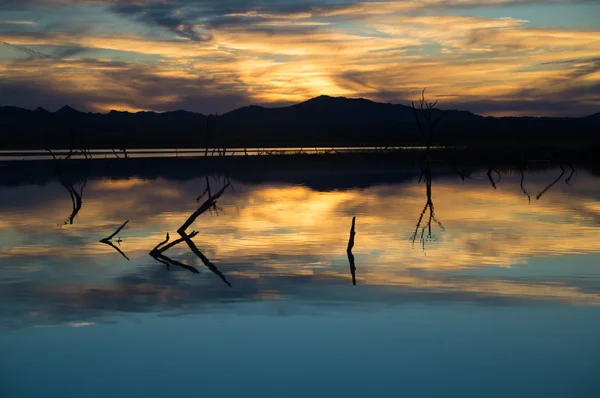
(134, 111)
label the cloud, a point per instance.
(18, 23)
(287, 242)
(181, 23)
(285, 52)
(147, 87)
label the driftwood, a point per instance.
(108, 240)
(349, 252)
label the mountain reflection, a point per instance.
(287, 242)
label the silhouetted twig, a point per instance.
(539, 195)
(425, 108)
(489, 174)
(209, 203)
(349, 252)
(108, 240)
(568, 180)
(157, 252)
(523, 187)
(76, 194)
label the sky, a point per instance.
(493, 57)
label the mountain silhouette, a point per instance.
(321, 121)
(67, 110)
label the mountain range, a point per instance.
(321, 121)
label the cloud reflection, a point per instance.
(288, 243)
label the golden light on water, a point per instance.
(296, 231)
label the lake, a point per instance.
(478, 284)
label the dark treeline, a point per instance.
(322, 121)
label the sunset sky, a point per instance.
(493, 57)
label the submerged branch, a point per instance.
(108, 240)
(209, 203)
(157, 252)
(489, 174)
(115, 247)
(116, 232)
(203, 258)
(568, 180)
(169, 261)
(349, 252)
(159, 249)
(523, 187)
(539, 195)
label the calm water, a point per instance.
(500, 299)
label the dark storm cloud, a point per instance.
(173, 18)
(202, 94)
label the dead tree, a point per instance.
(423, 112)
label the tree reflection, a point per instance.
(158, 252)
(423, 230)
(108, 240)
(74, 187)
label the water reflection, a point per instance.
(429, 207)
(108, 240)
(284, 242)
(349, 251)
(75, 189)
(158, 252)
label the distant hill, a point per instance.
(595, 116)
(321, 121)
